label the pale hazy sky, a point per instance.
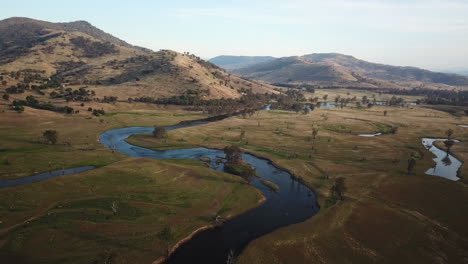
(430, 34)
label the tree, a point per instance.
(242, 135)
(338, 189)
(166, 236)
(325, 97)
(50, 136)
(6, 97)
(411, 164)
(297, 107)
(449, 133)
(115, 207)
(160, 133)
(18, 108)
(364, 100)
(231, 258)
(249, 173)
(315, 131)
(233, 154)
(449, 144)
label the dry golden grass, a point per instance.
(388, 216)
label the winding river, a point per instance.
(293, 203)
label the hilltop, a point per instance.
(78, 54)
(333, 69)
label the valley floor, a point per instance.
(387, 216)
(72, 219)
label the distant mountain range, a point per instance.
(80, 54)
(459, 71)
(335, 69)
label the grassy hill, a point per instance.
(333, 69)
(79, 54)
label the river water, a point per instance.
(447, 165)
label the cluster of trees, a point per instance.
(293, 100)
(247, 103)
(93, 49)
(394, 101)
(137, 67)
(108, 99)
(69, 94)
(337, 191)
(50, 136)
(97, 112)
(160, 133)
(18, 88)
(235, 165)
(21, 87)
(433, 96)
(31, 101)
(307, 87)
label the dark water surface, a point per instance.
(43, 176)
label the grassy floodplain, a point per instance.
(387, 214)
(70, 219)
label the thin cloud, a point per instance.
(392, 16)
(238, 14)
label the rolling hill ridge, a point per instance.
(341, 70)
(77, 53)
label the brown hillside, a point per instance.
(81, 55)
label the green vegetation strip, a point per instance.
(270, 185)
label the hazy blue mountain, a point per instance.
(230, 63)
(340, 69)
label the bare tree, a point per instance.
(315, 131)
(115, 207)
(231, 258)
(411, 164)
